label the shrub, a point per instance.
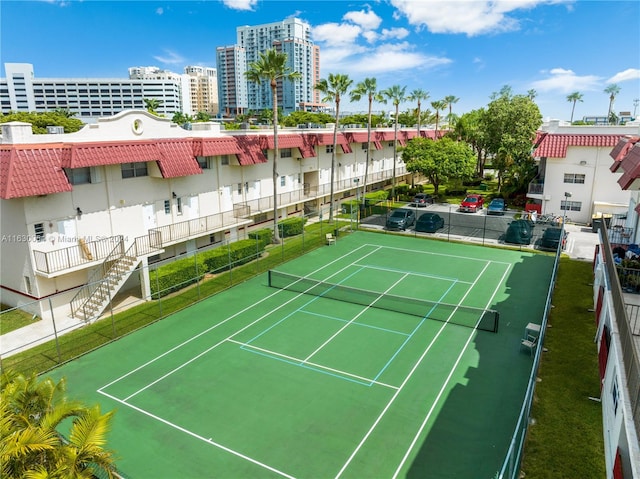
(291, 226)
(175, 276)
(376, 197)
(488, 177)
(264, 236)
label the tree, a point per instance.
(574, 97)
(418, 95)
(65, 112)
(202, 116)
(450, 100)
(440, 161)
(369, 88)
(40, 121)
(395, 94)
(612, 90)
(438, 106)
(152, 105)
(510, 125)
(532, 94)
(31, 410)
(272, 67)
(305, 117)
(333, 88)
(470, 128)
(505, 92)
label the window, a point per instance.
(615, 395)
(239, 188)
(391, 144)
(574, 178)
(133, 170)
(167, 207)
(78, 176)
(570, 205)
(179, 205)
(224, 160)
(329, 149)
(283, 181)
(285, 153)
(203, 161)
(38, 229)
(365, 146)
(27, 284)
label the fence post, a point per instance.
(55, 331)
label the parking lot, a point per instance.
(488, 229)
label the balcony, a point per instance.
(51, 261)
(536, 187)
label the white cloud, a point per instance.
(470, 17)
(240, 4)
(170, 58)
(334, 34)
(628, 74)
(159, 10)
(566, 81)
(367, 20)
(394, 33)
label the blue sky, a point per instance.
(468, 49)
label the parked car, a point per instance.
(519, 232)
(401, 219)
(496, 207)
(552, 237)
(472, 203)
(429, 223)
(422, 199)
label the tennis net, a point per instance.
(476, 318)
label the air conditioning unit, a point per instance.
(55, 130)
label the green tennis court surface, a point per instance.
(269, 382)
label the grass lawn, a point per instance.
(14, 319)
(566, 440)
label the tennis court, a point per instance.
(377, 357)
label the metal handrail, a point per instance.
(76, 255)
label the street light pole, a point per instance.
(567, 195)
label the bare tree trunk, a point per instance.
(276, 232)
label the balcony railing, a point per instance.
(175, 232)
(77, 255)
(620, 234)
(536, 187)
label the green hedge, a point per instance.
(291, 226)
(181, 273)
(264, 235)
(376, 197)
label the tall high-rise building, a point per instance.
(291, 36)
(203, 85)
(232, 84)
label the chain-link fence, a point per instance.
(51, 335)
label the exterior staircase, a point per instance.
(94, 297)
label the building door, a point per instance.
(149, 217)
(67, 228)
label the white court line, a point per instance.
(354, 318)
(442, 389)
(197, 436)
(406, 380)
(418, 251)
(319, 366)
(412, 273)
(206, 351)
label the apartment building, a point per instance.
(291, 36)
(574, 176)
(203, 87)
(89, 98)
(134, 188)
(232, 84)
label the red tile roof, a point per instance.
(177, 159)
(621, 150)
(220, 146)
(630, 165)
(251, 150)
(29, 171)
(112, 153)
(554, 145)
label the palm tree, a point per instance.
(437, 106)
(333, 88)
(368, 87)
(272, 67)
(152, 105)
(450, 100)
(612, 90)
(396, 94)
(418, 95)
(532, 94)
(30, 446)
(574, 97)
